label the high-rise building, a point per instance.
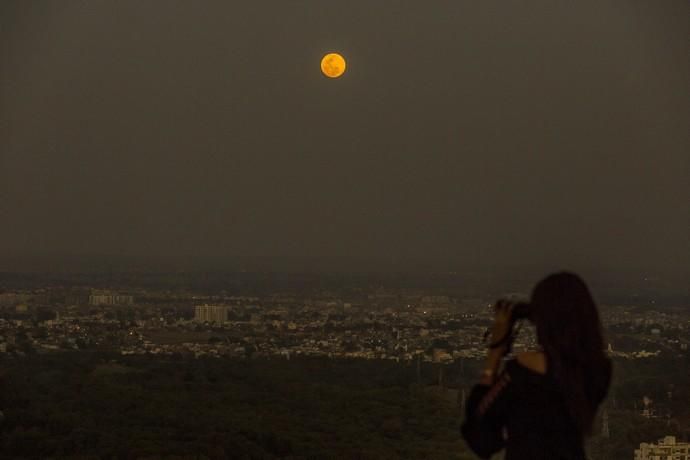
(211, 313)
(109, 298)
(667, 448)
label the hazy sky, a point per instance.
(545, 132)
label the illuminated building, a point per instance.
(211, 313)
(109, 298)
(668, 448)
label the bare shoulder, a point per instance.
(533, 360)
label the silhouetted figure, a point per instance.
(542, 404)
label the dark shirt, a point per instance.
(525, 413)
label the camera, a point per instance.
(521, 310)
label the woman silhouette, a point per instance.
(542, 404)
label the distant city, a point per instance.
(376, 324)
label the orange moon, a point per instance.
(333, 65)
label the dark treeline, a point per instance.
(102, 405)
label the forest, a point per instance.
(102, 405)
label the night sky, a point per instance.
(549, 133)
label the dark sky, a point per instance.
(551, 133)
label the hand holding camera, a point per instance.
(506, 313)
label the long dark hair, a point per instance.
(569, 330)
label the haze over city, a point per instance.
(546, 135)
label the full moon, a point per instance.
(333, 65)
